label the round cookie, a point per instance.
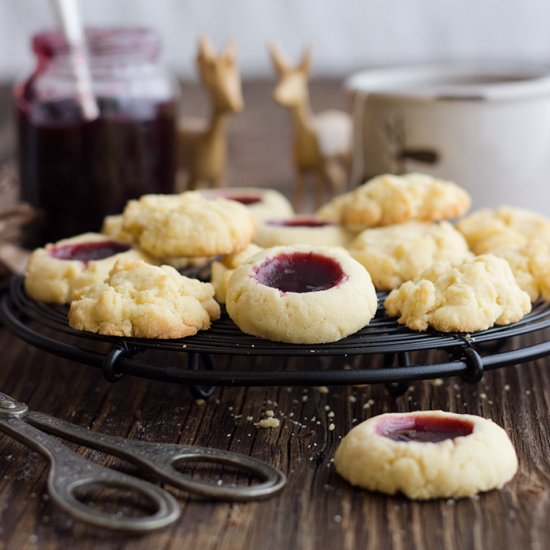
(113, 227)
(54, 273)
(398, 253)
(301, 230)
(301, 295)
(462, 296)
(530, 265)
(427, 454)
(487, 230)
(188, 225)
(263, 203)
(222, 270)
(144, 301)
(391, 199)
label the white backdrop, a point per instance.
(345, 34)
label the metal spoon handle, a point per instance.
(70, 472)
(161, 460)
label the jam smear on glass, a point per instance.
(87, 252)
(424, 428)
(300, 272)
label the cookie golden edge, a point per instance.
(457, 468)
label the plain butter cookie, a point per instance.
(530, 265)
(487, 230)
(144, 301)
(398, 253)
(54, 273)
(188, 225)
(391, 199)
(428, 454)
(463, 296)
(301, 295)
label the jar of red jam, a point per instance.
(76, 170)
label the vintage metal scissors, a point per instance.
(70, 472)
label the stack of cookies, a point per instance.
(300, 279)
(113, 280)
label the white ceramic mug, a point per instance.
(485, 127)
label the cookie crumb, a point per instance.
(250, 418)
(322, 389)
(352, 399)
(331, 414)
(200, 402)
(437, 382)
(331, 427)
(507, 387)
(269, 414)
(483, 395)
(268, 422)
(338, 518)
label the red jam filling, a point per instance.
(300, 272)
(424, 429)
(303, 222)
(87, 252)
(244, 199)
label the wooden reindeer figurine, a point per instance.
(322, 142)
(202, 144)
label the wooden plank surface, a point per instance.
(317, 509)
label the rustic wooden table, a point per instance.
(317, 508)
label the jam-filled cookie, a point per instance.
(390, 199)
(144, 301)
(398, 253)
(301, 295)
(301, 230)
(462, 296)
(428, 454)
(262, 202)
(222, 269)
(188, 225)
(54, 273)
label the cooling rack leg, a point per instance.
(396, 389)
(196, 362)
(111, 373)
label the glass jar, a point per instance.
(74, 170)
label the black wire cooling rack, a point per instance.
(468, 355)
